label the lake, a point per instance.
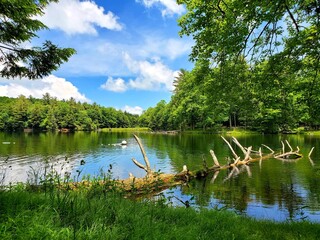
(268, 189)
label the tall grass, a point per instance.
(99, 209)
(102, 212)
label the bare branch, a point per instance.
(236, 161)
(146, 160)
(139, 164)
(184, 168)
(215, 159)
(248, 171)
(268, 148)
(233, 152)
(311, 152)
(291, 155)
(283, 147)
(260, 152)
(289, 145)
(247, 156)
(215, 175)
(239, 145)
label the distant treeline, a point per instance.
(49, 113)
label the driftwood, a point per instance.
(155, 182)
(167, 180)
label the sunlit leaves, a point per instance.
(257, 29)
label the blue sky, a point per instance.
(128, 53)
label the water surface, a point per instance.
(268, 189)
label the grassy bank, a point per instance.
(98, 214)
(227, 131)
(137, 129)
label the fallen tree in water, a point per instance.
(155, 181)
(158, 181)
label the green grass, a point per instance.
(223, 130)
(238, 131)
(137, 129)
(315, 133)
(97, 214)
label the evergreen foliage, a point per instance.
(19, 25)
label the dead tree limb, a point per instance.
(229, 145)
(147, 167)
(291, 150)
(168, 180)
(288, 155)
(260, 152)
(247, 156)
(268, 148)
(215, 159)
(283, 147)
(139, 164)
(310, 152)
(239, 145)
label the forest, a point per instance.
(49, 113)
(266, 98)
(256, 66)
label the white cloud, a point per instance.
(78, 17)
(133, 110)
(171, 48)
(168, 7)
(55, 86)
(104, 57)
(150, 75)
(114, 85)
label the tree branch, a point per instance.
(233, 152)
(139, 164)
(214, 157)
(8, 48)
(292, 17)
(146, 160)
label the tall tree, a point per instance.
(19, 25)
(228, 28)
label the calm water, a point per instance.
(269, 189)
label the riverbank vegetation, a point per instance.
(256, 66)
(102, 212)
(49, 113)
(262, 98)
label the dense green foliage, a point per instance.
(19, 25)
(264, 98)
(97, 214)
(224, 29)
(257, 65)
(50, 114)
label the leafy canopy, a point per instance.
(255, 28)
(18, 25)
